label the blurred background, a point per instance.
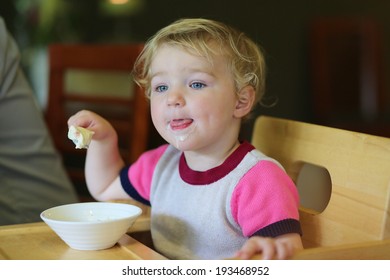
(328, 60)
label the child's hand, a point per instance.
(281, 247)
(103, 160)
(101, 127)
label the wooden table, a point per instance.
(36, 241)
(370, 250)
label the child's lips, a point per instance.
(180, 124)
(181, 129)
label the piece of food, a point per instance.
(80, 136)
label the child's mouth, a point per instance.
(181, 129)
(180, 124)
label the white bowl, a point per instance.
(91, 225)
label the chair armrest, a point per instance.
(371, 250)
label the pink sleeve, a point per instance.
(265, 195)
(141, 172)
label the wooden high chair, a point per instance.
(97, 78)
(350, 174)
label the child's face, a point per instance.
(193, 101)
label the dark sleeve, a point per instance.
(280, 228)
(129, 188)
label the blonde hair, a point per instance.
(207, 37)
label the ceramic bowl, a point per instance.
(91, 225)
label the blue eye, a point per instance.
(161, 88)
(197, 85)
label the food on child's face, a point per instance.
(80, 136)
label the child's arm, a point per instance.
(103, 161)
(281, 247)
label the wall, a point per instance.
(281, 27)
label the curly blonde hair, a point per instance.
(206, 38)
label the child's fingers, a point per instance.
(257, 245)
(85, 119)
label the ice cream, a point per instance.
(80, 136)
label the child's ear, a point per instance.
(244, 104)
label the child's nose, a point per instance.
(175, 98)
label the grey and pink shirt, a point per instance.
(210, 214)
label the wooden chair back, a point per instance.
(126, 107)
(356, 168)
